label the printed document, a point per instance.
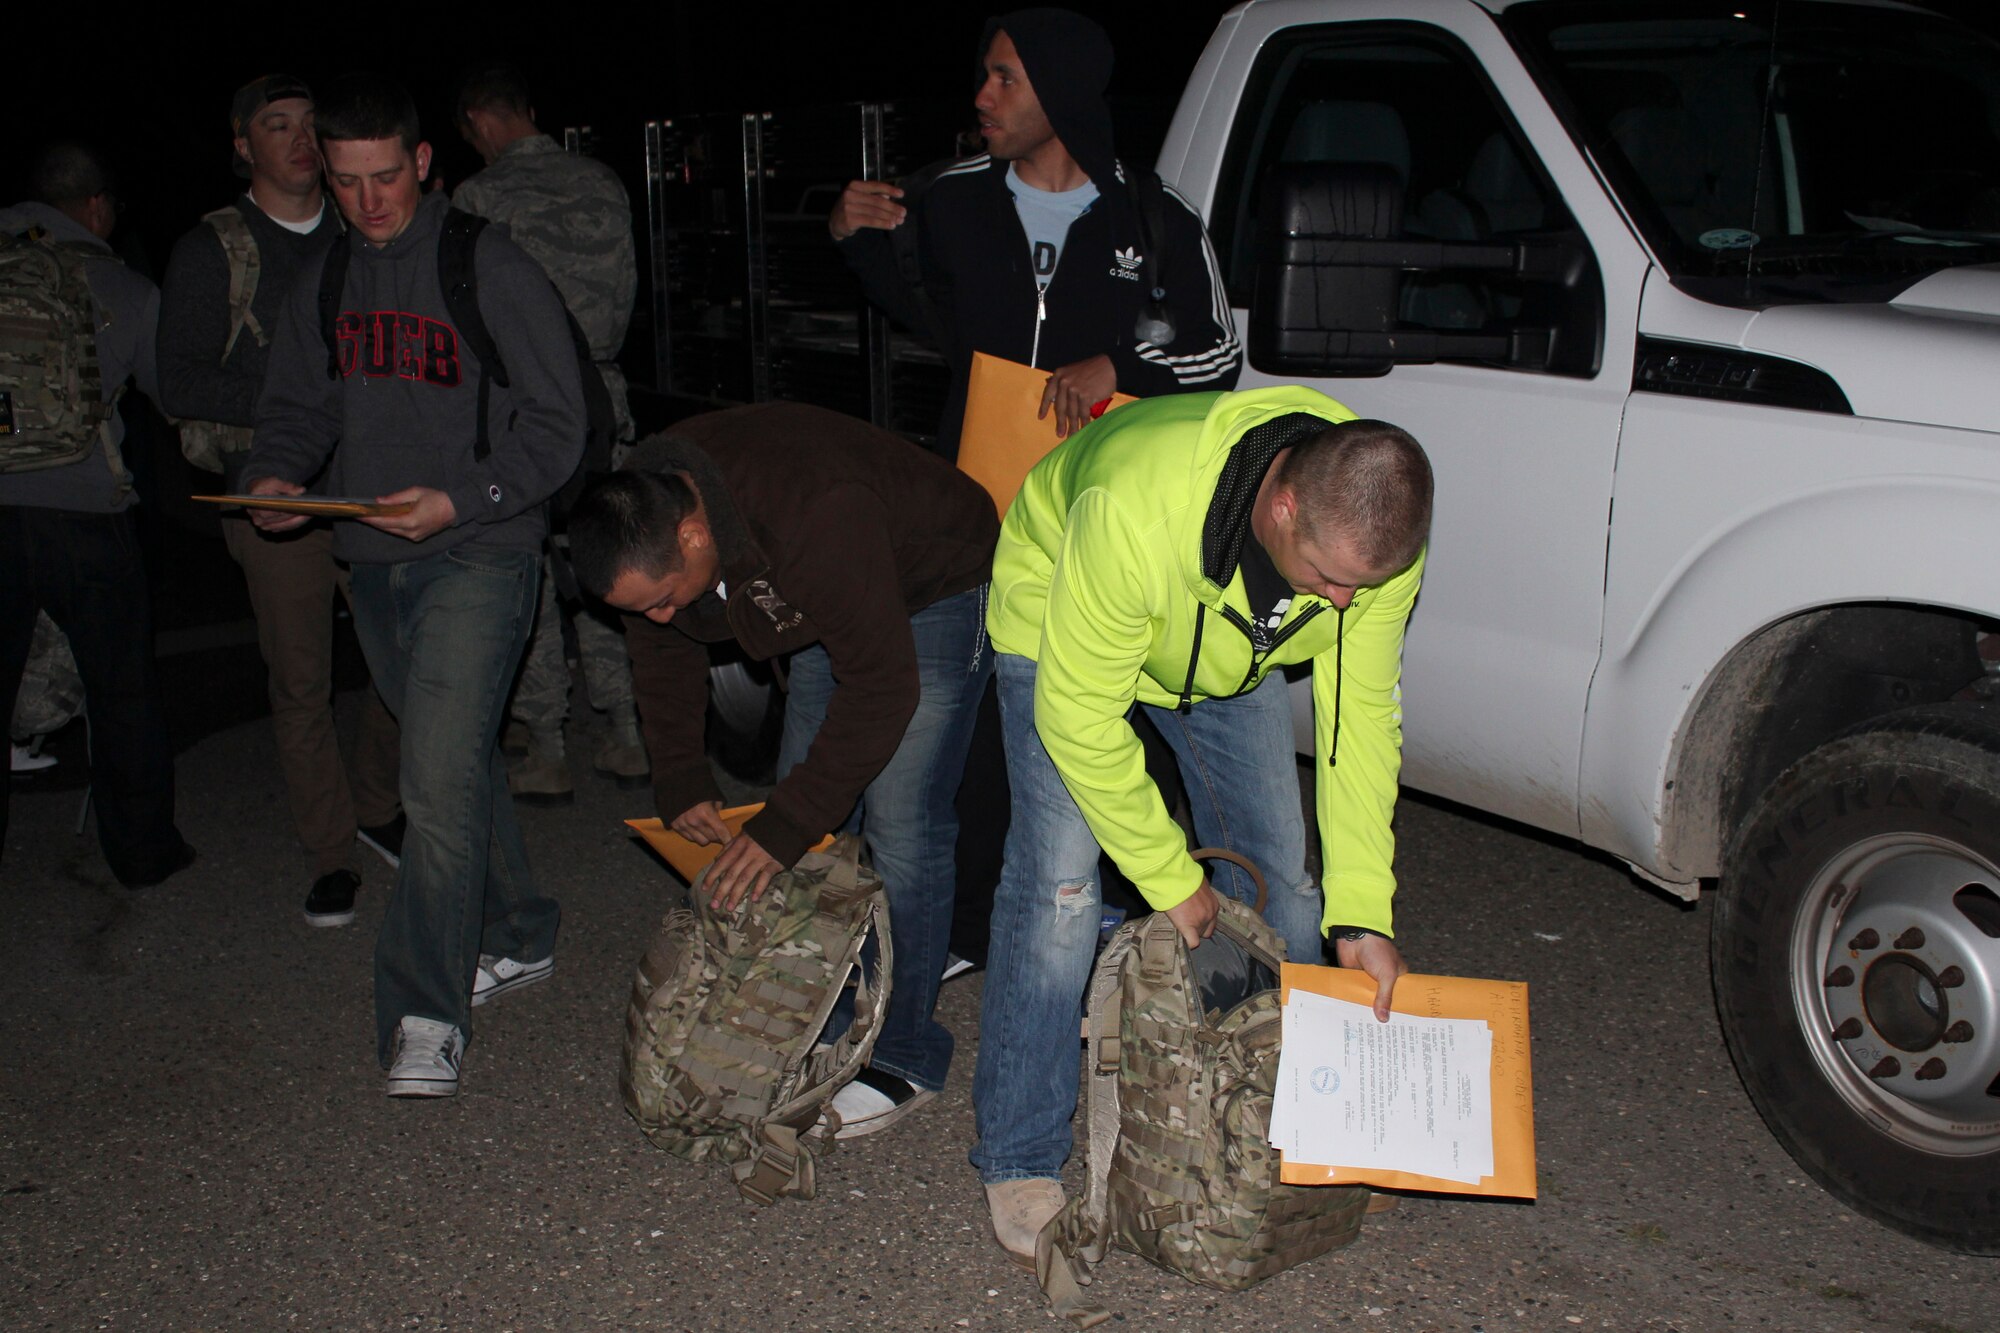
(1411, 1095)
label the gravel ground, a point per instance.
(193, 1133)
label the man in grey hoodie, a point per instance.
(382, 401)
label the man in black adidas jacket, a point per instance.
(390, 389)
(1035, 250)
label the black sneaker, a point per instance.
(331, 902)
(385, 840)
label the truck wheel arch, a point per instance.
(1786, 690)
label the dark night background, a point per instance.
(154, 92)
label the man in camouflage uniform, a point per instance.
(225, 290)
(571, 215)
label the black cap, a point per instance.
(253, 97)
(1068, 61)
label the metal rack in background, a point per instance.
(750, 299)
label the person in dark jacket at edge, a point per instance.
(444, 578)
(1034, 251)
(795, 530)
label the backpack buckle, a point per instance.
(767, 1175)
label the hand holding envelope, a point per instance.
(1006, 431)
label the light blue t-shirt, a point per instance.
(1045, 216)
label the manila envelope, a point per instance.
(1002, 438)
(690, 859)
(1504, 1006)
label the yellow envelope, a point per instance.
(1504, 1007)
(690, 859)
(1002, 437)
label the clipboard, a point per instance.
(326, 506)
(1504, 1007)
(689, 859)
(1002, 438)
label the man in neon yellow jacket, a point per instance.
(1174, 555)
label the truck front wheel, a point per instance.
(1856, 957)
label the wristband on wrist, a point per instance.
(1353, 934)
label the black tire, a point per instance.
(1875, 1065)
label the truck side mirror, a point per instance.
(1308, 317)
(1330, 262)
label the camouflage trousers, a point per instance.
(541, 695)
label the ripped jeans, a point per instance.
(1237, 759)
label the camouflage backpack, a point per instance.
(204, 443)
(51, 691)
(52, 407)
(1182, 1171)
(720, 1061)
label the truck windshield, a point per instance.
(1786, 150)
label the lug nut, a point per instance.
(1867, 939)
(1910, 939)
(1888, 1067)
(1951, 976)
(1959, 1031)
(1840, 976)
(1932, 1068)
(1848, 1030)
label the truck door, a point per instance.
(1506, 634)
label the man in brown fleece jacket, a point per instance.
(794, 530)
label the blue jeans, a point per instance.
(909, 817)
(443, 636)
(1242, 780)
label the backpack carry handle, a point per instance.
(1239, 921)
(1256, 875)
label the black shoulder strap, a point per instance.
(906, 246)
(1149, 201)
(1148, 192)
(458, 274)
(332, 281)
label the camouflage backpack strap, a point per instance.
(207, 443)
(1080, 1235)
(246, 264)
(845, 891)
(780, 1161)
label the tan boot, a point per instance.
(543, 777)
(1020, 1209)
(514, 739)
(622, 756)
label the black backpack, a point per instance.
(459, 276)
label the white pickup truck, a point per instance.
(1696, 307)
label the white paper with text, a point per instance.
(1413, 1094)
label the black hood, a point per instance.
(1068, 61)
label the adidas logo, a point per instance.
(1128, 264)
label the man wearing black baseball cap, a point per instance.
(225, 288)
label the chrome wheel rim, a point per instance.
(1895, 977)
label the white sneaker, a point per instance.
(497, 975)
(873, 1101)
(426, 1060)
(25, 760)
